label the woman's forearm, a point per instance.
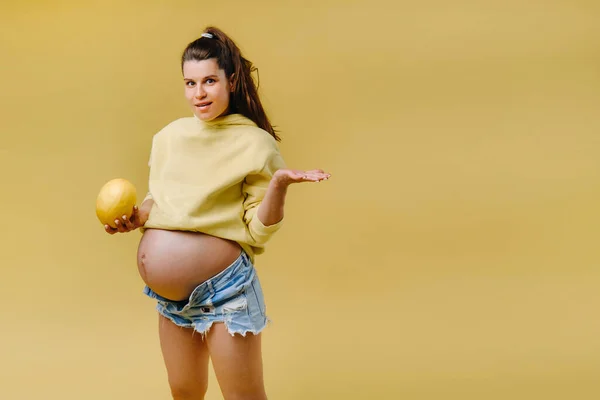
(271, 208)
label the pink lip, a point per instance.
(203, 104)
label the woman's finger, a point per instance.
(130, 222)
(316, 177)
(127, 223)
(110, 229)
(135, 218)
(120, 226)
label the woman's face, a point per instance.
(207, 89)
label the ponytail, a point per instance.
(244, 99)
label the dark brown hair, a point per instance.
(244, 97)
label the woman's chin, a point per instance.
(206, 117)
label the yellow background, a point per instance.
(453, 255)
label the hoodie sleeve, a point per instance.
(254, 189)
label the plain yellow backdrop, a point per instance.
(453, 254)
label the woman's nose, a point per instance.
(200, 91)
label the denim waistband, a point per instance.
(233, 279)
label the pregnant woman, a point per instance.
(217, 188)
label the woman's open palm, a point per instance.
(286, 176)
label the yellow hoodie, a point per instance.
(211, 177)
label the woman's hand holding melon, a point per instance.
(137, 220)
(116, 209)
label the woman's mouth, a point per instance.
(203, 106)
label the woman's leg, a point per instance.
(186, 359)
(237, 361)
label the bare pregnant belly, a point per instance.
(173, 263)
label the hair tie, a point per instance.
(207, 35)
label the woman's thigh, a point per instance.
(186, 359)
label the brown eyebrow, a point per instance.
(206, 77)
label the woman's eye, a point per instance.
(210, 81)
(189, 83)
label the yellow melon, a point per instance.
(116, 198)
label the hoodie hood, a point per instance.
(227, 121)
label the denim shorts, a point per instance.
(233, 296)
